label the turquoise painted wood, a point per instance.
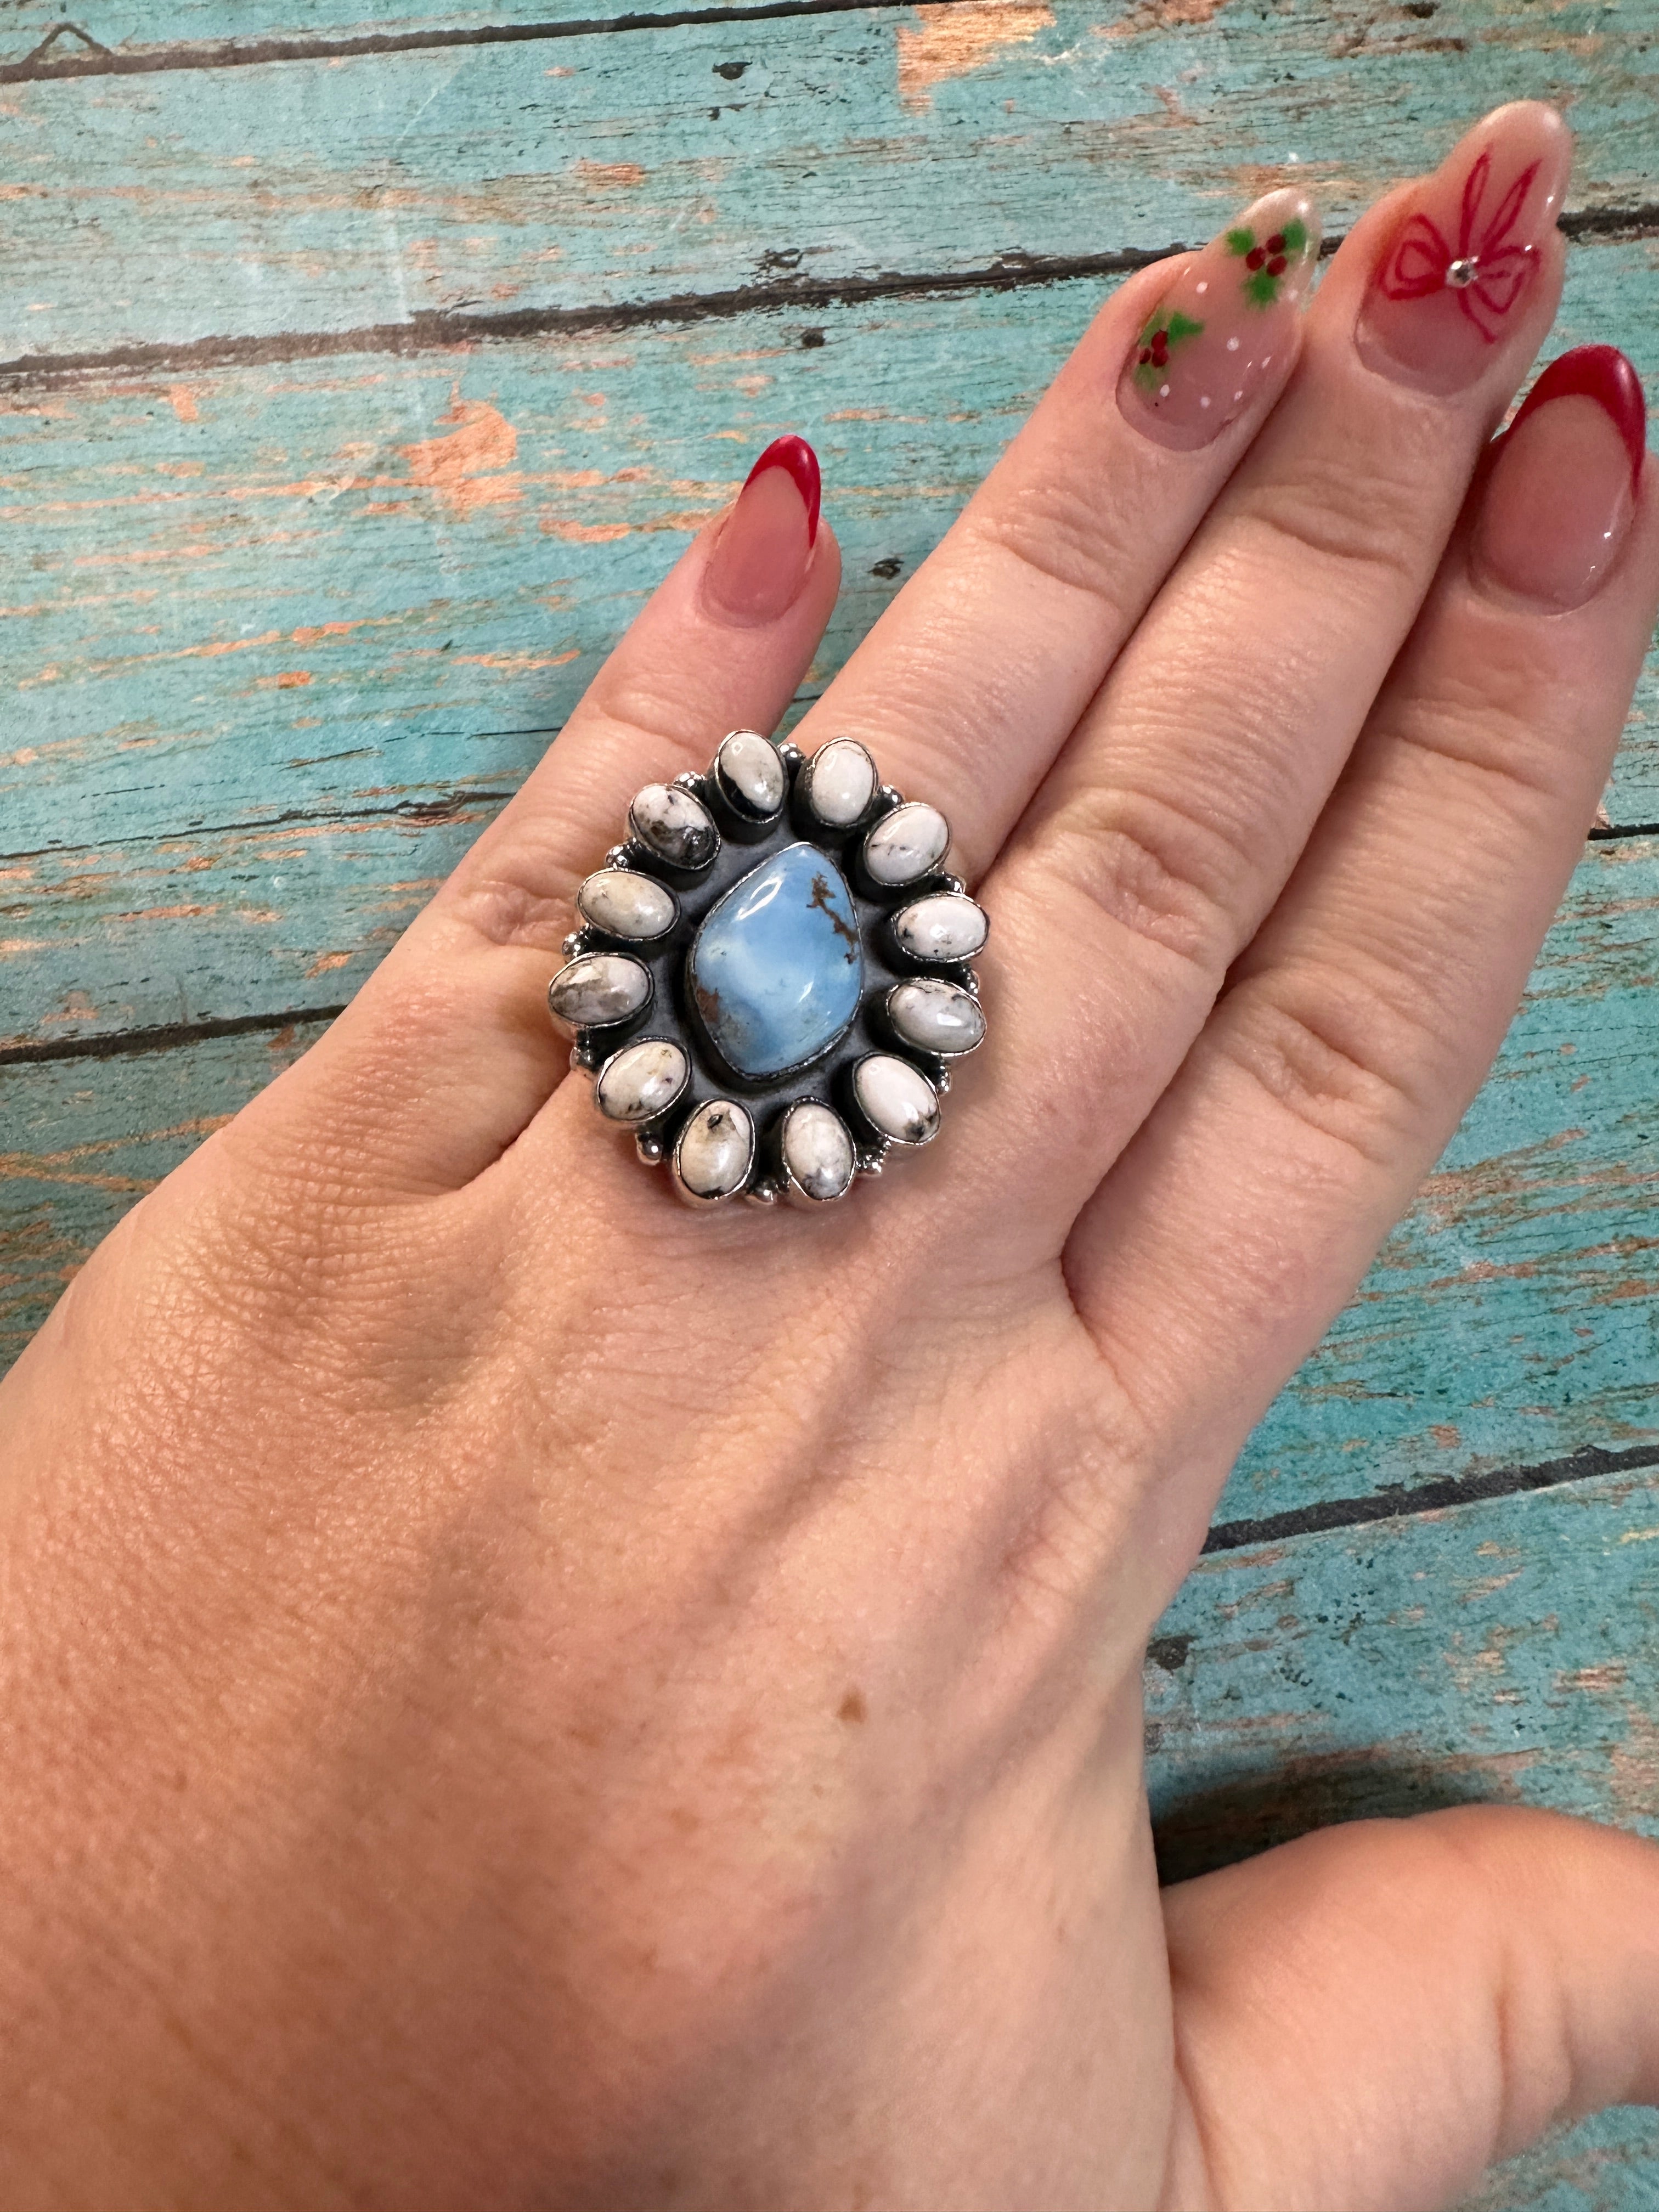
(284, 627)
(344, 590)
(558, 174)
(130, 28)
(1506, 1652)
(1510, 1648)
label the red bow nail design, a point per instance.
(1485, 272)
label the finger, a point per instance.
(972, 680)
(448, 1051)
(1177, 812)
(1372, 2015)
(1362, 1019)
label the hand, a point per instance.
(518, 1693)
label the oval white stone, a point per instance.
(908, 842)
(896, 1098)
(751, 772)
(715, 1150)
(642, 1081)
(625, 904)
(936, 1016)
(946, 926)
(817, 1152)
(841, 781)
(674, 824)
(600, 988)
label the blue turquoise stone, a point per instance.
(777, 969)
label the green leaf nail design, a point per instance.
(1265, 264)
(1153, 355)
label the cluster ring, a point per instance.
(773, 974)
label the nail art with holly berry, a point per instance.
(1226, 326)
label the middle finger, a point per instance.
(1174, 816)
(974, 678)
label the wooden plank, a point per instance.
(1506, 1652)
(198, 835)
(1511, 1319)
(517, 179)
(327, 588)
(124, 30)
(80, 1141)
(204, 929)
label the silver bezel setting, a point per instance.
(745, 839)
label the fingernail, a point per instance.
(764, 549)
(1224, 325)
(1464, 257)
(1558, 503)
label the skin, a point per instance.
(516, 1693)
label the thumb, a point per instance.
(1372, 2015)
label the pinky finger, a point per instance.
(1358, 1024)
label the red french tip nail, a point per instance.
(794, 454)
(1600, 372)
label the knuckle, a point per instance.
(1149, 868)
(1061, 535)
(1344, 520)
(1485, 726)
(648, 716)
(1329, 1049)
(506, 909)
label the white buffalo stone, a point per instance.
(895, 1098)
(600, 988)
(674, 824)
(817, 1152)
(641, 1081)
(715, 1150)
(935, 1015)
(624, 904)
(750, 771)
(946, 926)
(908, 842)
(841, 782)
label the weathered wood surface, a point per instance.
(500, 181)
(1512, 1643)
(411, 387)
(366, 589)
(1504, 1652)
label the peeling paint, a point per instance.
(958, 36)
(470, 464)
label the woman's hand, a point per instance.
(517, 1694)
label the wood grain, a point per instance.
(339, 590)
(1504, 1653)
(496, 181)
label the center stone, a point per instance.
(776, 969)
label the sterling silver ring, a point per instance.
(773, 974)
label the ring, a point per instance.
(772, 975)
